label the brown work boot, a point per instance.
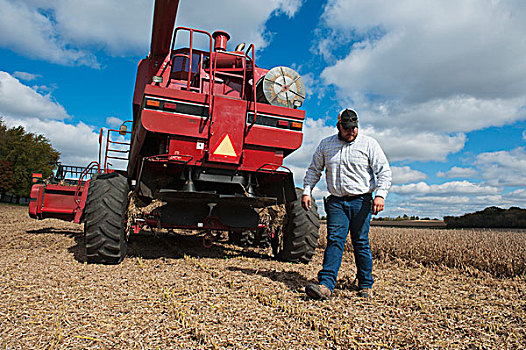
(366, 293)
(318, 291)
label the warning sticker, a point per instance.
(225, 148)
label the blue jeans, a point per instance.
(344, 214)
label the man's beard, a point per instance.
(340, 136)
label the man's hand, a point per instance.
(306, 202)
(378, 205)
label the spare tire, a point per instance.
(300, 232)
(105, 219)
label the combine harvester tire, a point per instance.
(105, 219)
(300, 232)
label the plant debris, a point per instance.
(171, 293)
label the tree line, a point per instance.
(21, 154)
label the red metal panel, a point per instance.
(255, 158)
(36, 201)
(58, 202)
(227, 130)
(187, 147)
(176, 94)
(273, 137)
(279, 111)
(176, 124)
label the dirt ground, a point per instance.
(171, 293)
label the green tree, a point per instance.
(22, 154)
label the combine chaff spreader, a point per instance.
(209, 134)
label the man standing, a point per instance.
(355, 166)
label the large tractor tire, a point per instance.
(243, 238)
(105, 219)
(261, 238)
(300, 232)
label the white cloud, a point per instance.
(400, 145)
(26, 76)
(78, 144)
(451, 188)
(503, 168)
(422, 50)
(120, 28)
(519, 194)
(65, 31)
(455, 205)
(458, 172)
(445, 200)
(29, 31)
(405, 174)
(455, 114)
(243, 20)
(21, 105)
(436, 68)
(524, 135)
(20, 101)
(113, 121)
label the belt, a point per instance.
(353, 196)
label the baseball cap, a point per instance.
(348, 118)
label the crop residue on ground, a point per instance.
(172, 293)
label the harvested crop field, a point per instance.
(171, 293)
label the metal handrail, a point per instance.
(262, 168)
(191, 33)
(251, 48)
(108, 149)
(79, 182)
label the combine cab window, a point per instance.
(181, 63)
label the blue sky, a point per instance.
(440, 84)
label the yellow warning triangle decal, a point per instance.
(225, 148)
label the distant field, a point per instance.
(407, 223)
(410, 223)
(500, 252)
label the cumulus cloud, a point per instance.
(443, 200)
(30, 30)
(66, 31)
(405, 48)
(439, 206)
(455, 114)
(78, 144)
(520, 194)
(433, 68)
(40, 114)
(423, 146)
(452, 188)
(458, 172)
(243, 20)
(405, 174)
(21, 101)
(503, 168)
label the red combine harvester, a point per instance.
(210, 132)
